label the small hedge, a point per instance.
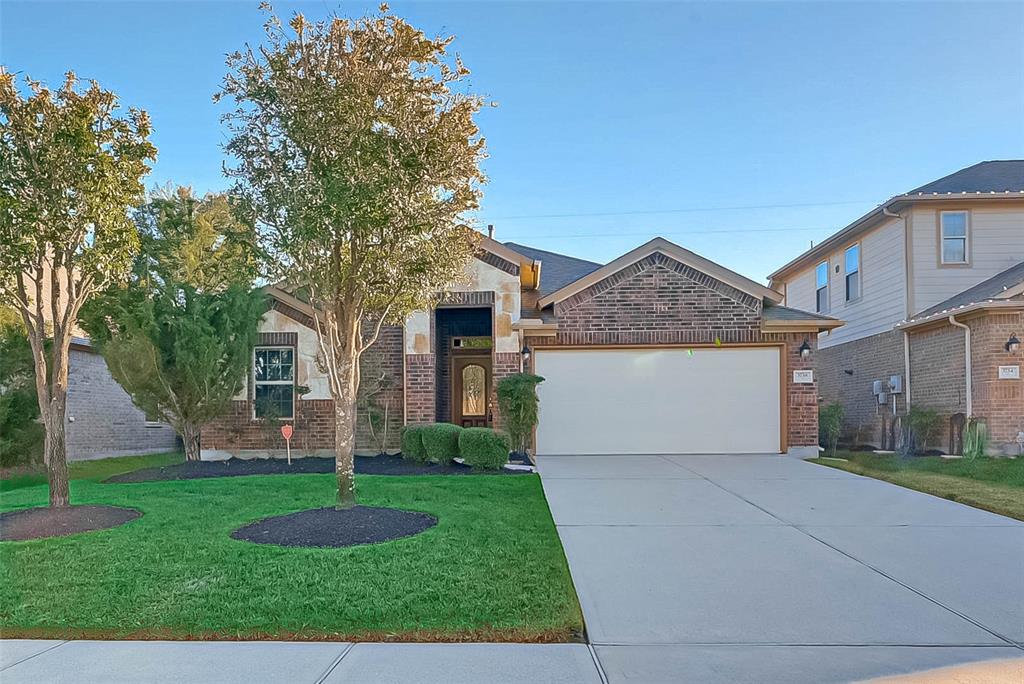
(441, 441)
(412, 443)
(484, 448)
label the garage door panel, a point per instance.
(658, 401)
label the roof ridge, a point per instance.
(512, 245)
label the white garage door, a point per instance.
(671, 401)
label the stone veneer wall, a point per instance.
(106, 422)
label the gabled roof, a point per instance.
(1004, 289)
(671, 250)
(988, 180)
(558, 269)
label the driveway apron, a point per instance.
(765, 568)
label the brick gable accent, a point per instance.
(658, 300)
(498, 262)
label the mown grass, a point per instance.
(992, 484)
(492, 568)
(99, 469)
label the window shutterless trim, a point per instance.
(847, 273)
(826, 287)
(940, 239)
(273, 383)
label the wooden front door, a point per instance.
(471, 390)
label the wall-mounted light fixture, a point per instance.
(805, 350)
(1013, 344)
(525, 353)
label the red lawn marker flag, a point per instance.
(286, 431)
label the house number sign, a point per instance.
(1009, 372)
(803, 377)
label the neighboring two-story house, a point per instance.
(930, 286)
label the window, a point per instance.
(953, 227)
(274, 382)
(852, 260)
(821, 287)
(474, 387)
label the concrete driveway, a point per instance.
(770, 569)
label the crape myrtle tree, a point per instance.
(357, 156)
(179, 336)
(71, 166)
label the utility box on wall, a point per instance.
(896, 384)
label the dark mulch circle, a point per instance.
(331, 528)
(43, 522)
(235, 467)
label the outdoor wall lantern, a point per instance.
(1013, 344)
(805, 350)
(525, 353)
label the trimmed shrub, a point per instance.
(484, 448)
(441, 441)
(830, 425)
(517, 401)
(412, 443)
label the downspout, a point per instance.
(906, 365)
(967, 362)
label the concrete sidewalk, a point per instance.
(249, 662)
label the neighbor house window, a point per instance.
(274, 382)
(821, 287)
(953, 228)
(852, 260)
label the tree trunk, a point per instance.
(190, 436)
(344, 445)
(55, 456)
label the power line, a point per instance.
(729, 231)
(684, 210)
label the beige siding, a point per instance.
(996, 243)
(883, 286)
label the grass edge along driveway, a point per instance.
(493, 568)
(991, 484)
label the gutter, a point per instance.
(967, 362)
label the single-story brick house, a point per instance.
(659, 351)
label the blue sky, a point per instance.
(741, 131)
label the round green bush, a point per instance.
(412, 443)
(441, 441)
(484, 448)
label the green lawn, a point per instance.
(992, 484)
(99, 469)
(492, 568)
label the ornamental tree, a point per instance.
(71, 166)
(357, 157)
(179, 336)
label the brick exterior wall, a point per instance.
(937, 377)
(420, 394)
(106, 422)
(660, 301)
(870, 358)
(384, 358)
(504, 364)
(1000, 402)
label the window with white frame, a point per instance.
(953, 226)
(851, 260)
(821, 287)
(274, 382)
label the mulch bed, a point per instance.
(235, 467)
(43, 522)
(331, 528)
